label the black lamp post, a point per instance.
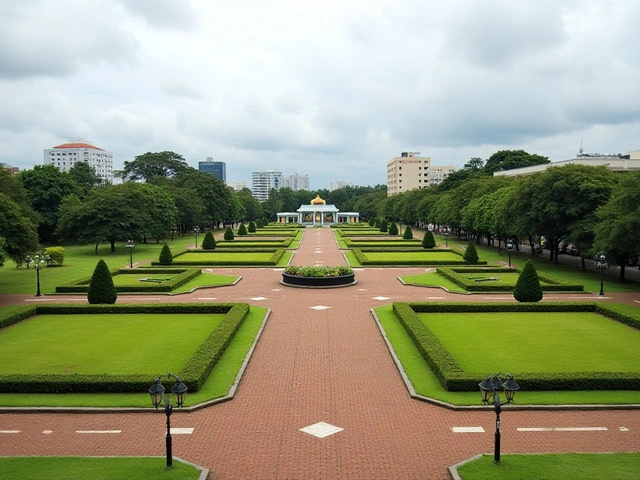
(196, 230)
(489, 391)
(130, 245)
(446, 238)
(601, 263)
(510, 248)
(179, 391)
(38, 263)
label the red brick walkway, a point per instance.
(320, 366)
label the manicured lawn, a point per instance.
(217, 385)
(418, 256)
(225, 257)
(432, 279)
(534, 342)
(132, 279)
(386, 243)
(242, 243)
(426, 383)
(583, 466)
(79, 262)
(206, 280)
(107, 343)
(104, 468)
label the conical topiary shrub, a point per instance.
(377, 224)
(471, 254)
(408, 233)
(165, 255)
(101, 288)
(393, 229)
(252, 227)
(372, 221)
(228, 234)
(384, 226)
(259, 224)
(208, 243)
(528, 287)
(242, 230)
(428, 241)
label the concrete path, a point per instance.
(321, 365)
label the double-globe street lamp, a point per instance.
(601, 263)
(510, 248)
(489, 390)
(130, 245)
(158, 396)
(196, 230)
(38, 263)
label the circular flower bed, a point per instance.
(318, 277)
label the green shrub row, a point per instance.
(453, 378)
(349, 225)
(318, 271)
(362, 258)
(193, 374)
(182, 276)
(456, 275)
(275, 258)
(277, 243)
(368, 243)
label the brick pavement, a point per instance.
(310, 366)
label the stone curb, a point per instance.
(199, 406)
(453, 469)
(440, 403)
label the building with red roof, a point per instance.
(66, 155)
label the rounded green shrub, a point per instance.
(528, 287)
(372, 221)
(471, 254)
(56, 254)
(252, 227)
(428, 241)
(408, 233)
(393, 229)
(384, 226)
(208, 243)
(101, 289)
(242, 230)
(228, 234)
(377, 224)
(259, 224)
(165, 255)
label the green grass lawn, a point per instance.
(432, 279)
(95, 468)
(217, 385)
(222, 256)
(79, 262)
(206, 280)
(426, 383)
(417, 256)
(386, 243)
(534, 342)
(132, 279)
(241, 243)
(93, 344)
(577, 466)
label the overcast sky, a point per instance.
(329, 88)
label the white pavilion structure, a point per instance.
(318, 213)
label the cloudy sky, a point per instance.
(329, 88)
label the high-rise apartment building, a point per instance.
(68, 154)
(296, 182)
(237, 186)
(338, 184)
(410, 171)
(217, 169)
(262, 182)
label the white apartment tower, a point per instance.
(68, 154)
(410, 171)
(296, 182)
(262, 182)
(338, 184)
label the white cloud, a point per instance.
(333, 89)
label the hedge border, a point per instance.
(194, 373)
(453, 378)
(275, 258)
(456, 276)
(277, 243)
(183, 276)
(366, 243)
(362, 258)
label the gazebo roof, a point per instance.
(318, 208)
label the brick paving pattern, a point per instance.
(320, 366)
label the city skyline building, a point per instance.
(338, 184)
(217, 169)
(296, 182)
(410, 171)
(66, 155)
(263, 181)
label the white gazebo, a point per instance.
(318, 213)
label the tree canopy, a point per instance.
(154, 164)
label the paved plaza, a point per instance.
(315, 365)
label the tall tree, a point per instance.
(154, 164)
(17, 229)
(85, 178)
(251, 206)
(510, 159)
(219, 200)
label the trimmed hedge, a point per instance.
(456, 275)
(101, 288)
(166, 256)
(387, 242)
(228, 234)
(208, 242)
(275, 258)
(193, 374)
(183, 276)
(453, 378)
(427, 240)
(408, 233)
(528, 285)
(393, 229)
(258, 241)
(471, 254)
(362, 258)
